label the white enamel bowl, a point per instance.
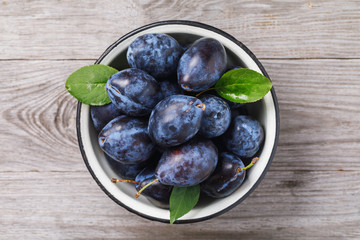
(266, 111)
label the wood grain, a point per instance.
(320, 127)
(69, 205)
(319, 123)
(310, 49)
(38, 114)
(271, 28)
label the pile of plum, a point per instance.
(156, 130)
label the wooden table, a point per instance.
(311, 50)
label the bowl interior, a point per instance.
(263, 110)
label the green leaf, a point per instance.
(182, 200)
(243, 85)
(87, 84)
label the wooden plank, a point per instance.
(287, 204)
(38, 124)
(318, 102)
(320, 127)
(270, 28)
(311, 51)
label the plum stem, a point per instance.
(204, 91)
(143, 188)
(115, 180)
(202, 106)
(253, 161)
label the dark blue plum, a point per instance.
(188, 164)
(169, 88)
(133, 91)
(202, 65)
(101, 115)
(130, 171)
(244, 136)
(216, 118)
(155, 53)
(157, 193)
(126, 140)
(175, 120)
(225, 179)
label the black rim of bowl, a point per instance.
(224, 34)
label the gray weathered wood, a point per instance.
(272, 29)
(287, 204)
(38, 114)
(319, 113)
(318, 109)
(311, 51)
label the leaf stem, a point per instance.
(197, 95)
